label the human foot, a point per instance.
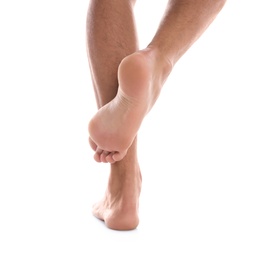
(119, 208)
(112, 130)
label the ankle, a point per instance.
(162, 59)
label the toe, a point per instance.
(109, 158)
(118, 156)
(97, 157)
(103, 156)
(96, 211)
(97, 154)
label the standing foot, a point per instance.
(120, 205)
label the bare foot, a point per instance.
(119, 208)
(113, 128)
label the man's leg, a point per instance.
(111, 36)
(141, 76)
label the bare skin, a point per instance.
(142, 74)
(119, 207)
(127, 83)
(140, 79)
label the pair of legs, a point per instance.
(127, 81)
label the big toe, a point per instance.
(118, 156)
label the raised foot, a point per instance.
(115, 125)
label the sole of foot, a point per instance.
(115, 125)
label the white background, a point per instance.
(198, 148)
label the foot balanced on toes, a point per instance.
(115, 125)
